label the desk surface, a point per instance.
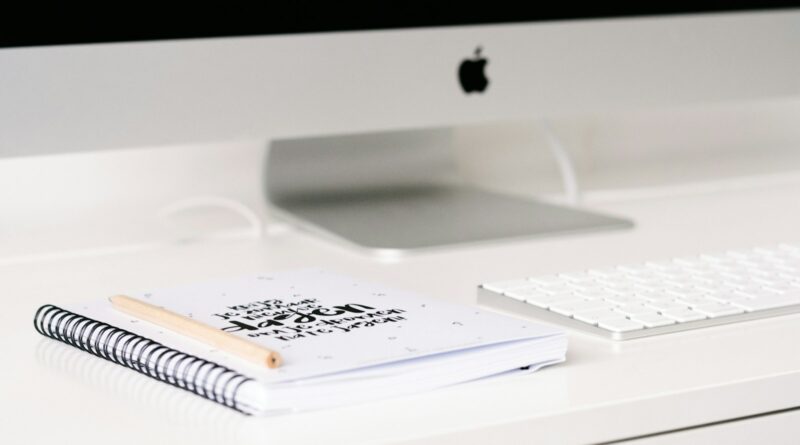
(605, 391)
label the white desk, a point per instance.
(605, 391)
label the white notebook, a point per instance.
(342, 340)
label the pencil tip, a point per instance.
(274, 360)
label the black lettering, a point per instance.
(238, 326)
(327, 312)
(352, 308)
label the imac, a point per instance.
(359, 115)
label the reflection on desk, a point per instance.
(190, 417)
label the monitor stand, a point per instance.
(399, 191)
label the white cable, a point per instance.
(255, 230)
(564, 161)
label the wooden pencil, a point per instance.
(192, 328)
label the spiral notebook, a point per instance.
(342, 340)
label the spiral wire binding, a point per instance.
(188, 372)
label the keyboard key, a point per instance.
(652, 320)
(621, 299)
(715, 310)
(764, 303)
(589, 287)
(716, 287)
(544, 301)
(554, 289)
(693, 301)
(654, 296)
(726, 297)
(651, 285)
(756, 293)
(667, 305)
(570, 307)
(523, 294)
(766, 280)
(596, 315)
(635, 309)
(780, 288)
(620, 325)
(589, 295)
(750, 288)
(688, 293)
(683, 315)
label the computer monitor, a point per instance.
(333, 75)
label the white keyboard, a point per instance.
(653, 298)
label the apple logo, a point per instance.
(471, 75)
